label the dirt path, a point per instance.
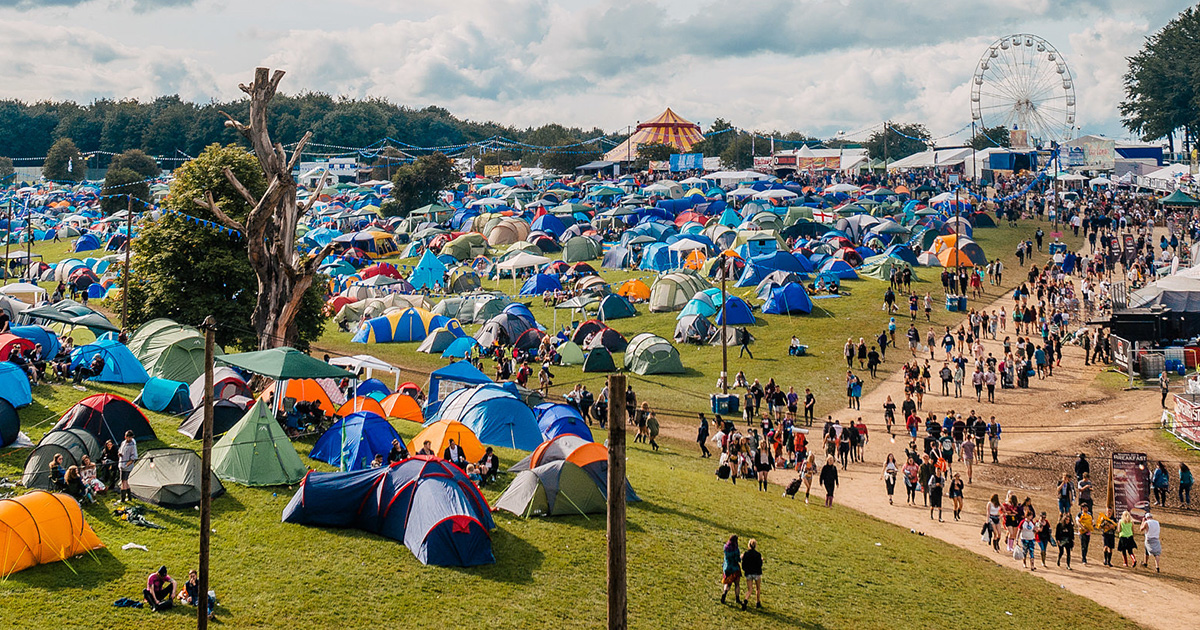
(1045, 426)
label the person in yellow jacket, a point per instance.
(1085, 526)
(1108, 529)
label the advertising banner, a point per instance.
(686, 162)
(1129, 484)
(1187, 418)
(764, 164)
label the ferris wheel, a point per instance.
(1023, 82)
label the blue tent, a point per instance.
(86, 243)
(780, 260)
(354, 441)
(903, 253)
(164, 396)
(540, 283)
(737, 311)
(494, 413)
(120, 366)
(617, 257)
(428, 273)
(373, 388)
(549, 224)
(555, 419)
(460, 348)
(522, 311)
(38, 334)
(455, 375)
(428, 504)
(789, 298)
(839, 268)
(656, 257)
(14, 385)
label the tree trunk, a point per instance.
(284, 276)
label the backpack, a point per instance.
(793, 487)
(723, 471)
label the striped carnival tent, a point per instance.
(666, 128)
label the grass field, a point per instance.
(824, 568)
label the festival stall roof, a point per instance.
(284, 364)
(1179, 199)
(932, 158)
(666, 128)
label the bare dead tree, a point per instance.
(284, 274)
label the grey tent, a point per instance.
(569, 353)
(599, 360)
(226, 413)
(553, 489)
(72, 444)
(673, 290)
(651, 354)
(437, 341)
(581, 248)
(694, 329)
(170, 477)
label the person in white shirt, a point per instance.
(126, 455)
(1151, 528)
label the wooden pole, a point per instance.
(7, 240)
(125, 274)
(724, 338)
(618, 609)
(209, 327)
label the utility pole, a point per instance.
(7, 240)
(887, 125)
(125, 273)
(618, 608)
(724, 338)
(210, 328)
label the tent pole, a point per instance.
(209, 327)
(618, 610)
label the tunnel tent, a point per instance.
(170, 477)
(672, 291)
(72, 444)
(40, 528)
(257, 452)
(650, 354)
(164, 396)
(170, 350)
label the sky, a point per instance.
(816, 66)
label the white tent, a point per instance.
(523, 260)
(733, 177)
(25, 292)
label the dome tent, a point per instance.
(227, 383)
(441, 432)
(599, 360)
(72, 444)
(353, 442)
(553, 489)
(40, 528)
(615, 307)
(694, 329)
(14, 385)
(736, 312)
(107, 417)
(672, 291)
(164, 396)
(120, 366)
(170, 350)
(402, 406)
(170, 477)
(555, 419)
(10, 423)
(257, 452)
(789, 298)
(226, 413)
(494, 413)
(569, 353)
(651, 354)
(428, 504)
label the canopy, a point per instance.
(284, 363)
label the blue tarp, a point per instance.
(120, 366)
(354, 441)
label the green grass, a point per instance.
(823, 567)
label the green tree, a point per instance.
(6, 169)
(718, 138)
(185, 271)
(119, 184)
(741, 151)
(1163, 81)
(64, 162)
(137, 161)
(897, 141)
(990, 137)
(417, 184)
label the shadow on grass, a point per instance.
(516, 560)
(663, 510)
(85, 571)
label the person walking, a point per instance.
(829, 479)
(1151, 528)
(1185, 486)
(991, 527)
(1161, 483)
(956, 495)
(810, 407)
(993, 431)
(889, 476)
(1027, 536)
(1064, 536)
(936, 484)
(1084, 525)
(762, 466)
(652, 428)
(127, 456)
(731, 570)
(1066, 495)
(1108, 533)
(1125, 542)
(702, 437)
(752, 563)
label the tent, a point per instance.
(616, 307)
(555, 419)
(14, 385)
(10, 423)
(553, 489)
(569, 353)
(40, 528)
(257, 452)
(607, 338)
(427, 503)
(226, 413)
(737, 312)
(10, 342)
(353, 441)
(789, 298)
(170, 350)
(302, 389)
(566, 447)
(164, 396)
(39, 334)
(72, 444)
(839, 268)
(107, 417)
(170, 477)
(120, 366)
(361, 403)
(402, 406)
(581, 248)
(673, 290)
(694, 329)
(429, 272)
(634, 290)
(504, 328)
(284, 363)
(651, 354)
(540, 283)
(439, 435)
(440, 338)
(445, 380)
(374, 388)
(463, 279)
(410, 324)
(495, 413)
(599, 360)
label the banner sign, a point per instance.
(1122, 352)
(1129, 484)
(492, 170)
(1090, 153)
(764, 164)
(818, 163)
(659, 165)
(1187, 418)
(686, 162)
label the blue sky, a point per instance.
(812, 65)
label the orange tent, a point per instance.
(901, 190)
(361, 403)
(583, 454)
(954, 257)
(402, 406)
(304, 389)
(40, 528)
(441, 432)
(634, 290)
(695, 260)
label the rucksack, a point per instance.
(793, 487)
(723, 471)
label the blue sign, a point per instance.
(687, 162)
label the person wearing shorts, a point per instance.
(1151, 528)
(752, 564)
(126, 456)
(1027, 535)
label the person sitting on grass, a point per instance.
(73, 483)
(92, 369)
(160, 588)
(190, 594)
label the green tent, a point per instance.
(256, 452)
(651, 354)
(599, 360)
(880, 267)
(169, 350)
(569, 353)
(581, 248)
(284, 364)
(1179, 199)
(554, 489)
(616, 307)
(672, 291)
(466, 246)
